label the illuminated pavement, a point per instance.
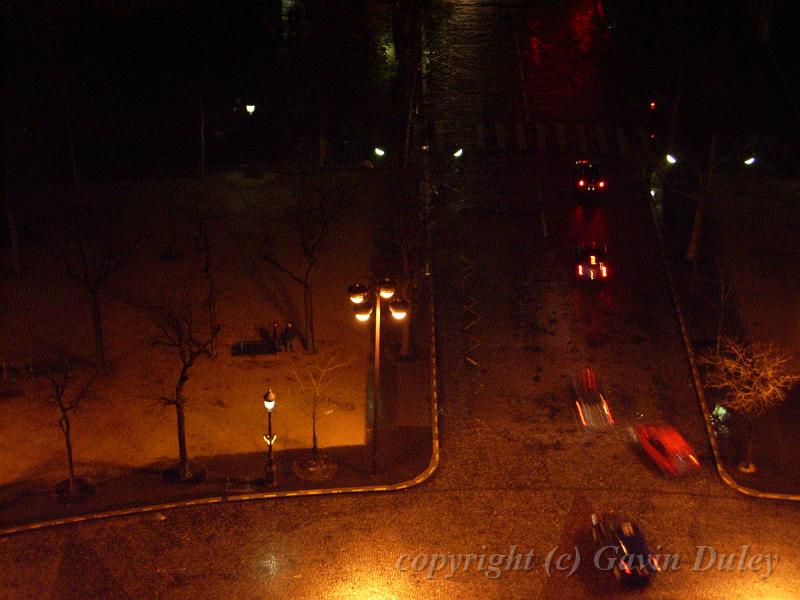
(516, 468)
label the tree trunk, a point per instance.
(97, 323)
(314, 447)
(65, 427)
(211, 303)
(748, 467)
(183, 458)
(308, 309)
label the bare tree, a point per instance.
(98, 242)
(719, 298)
(67, 389)
(754, 380)
(310, 218)
(202, 241)
(180, 332)
(316, 378)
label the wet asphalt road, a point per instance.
(517, 470)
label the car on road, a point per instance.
(592, 262)
(667, 448)
(622, 547)
(590, 404)
(589, 182)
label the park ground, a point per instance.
(123, 430)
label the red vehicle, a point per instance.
(590, 404)
(667, 448)
(591, 262)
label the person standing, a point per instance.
(289, 336)
(276, 335)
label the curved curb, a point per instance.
(403, 485)
(726, 477)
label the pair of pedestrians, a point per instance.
(285, 339)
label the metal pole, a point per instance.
(377, 391)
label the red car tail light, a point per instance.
(580, 270)
(580, 414)
(604, 271)
(581, 183)
(602, 184)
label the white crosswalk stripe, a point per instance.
(517, 136)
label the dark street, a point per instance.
(525, 90)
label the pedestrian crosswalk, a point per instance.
(538, 137)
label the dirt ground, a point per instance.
(124, 424)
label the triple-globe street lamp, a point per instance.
(364, 300)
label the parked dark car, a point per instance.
(589, 182)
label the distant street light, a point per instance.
(385, 289)
(671, 159)
(458, 153)
(750, 161)
(379, 151)
(250, 108)
(269, 404)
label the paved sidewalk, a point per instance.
(751, 226)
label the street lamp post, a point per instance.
(269, 404)
(384, 290)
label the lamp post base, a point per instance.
(270, 476)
